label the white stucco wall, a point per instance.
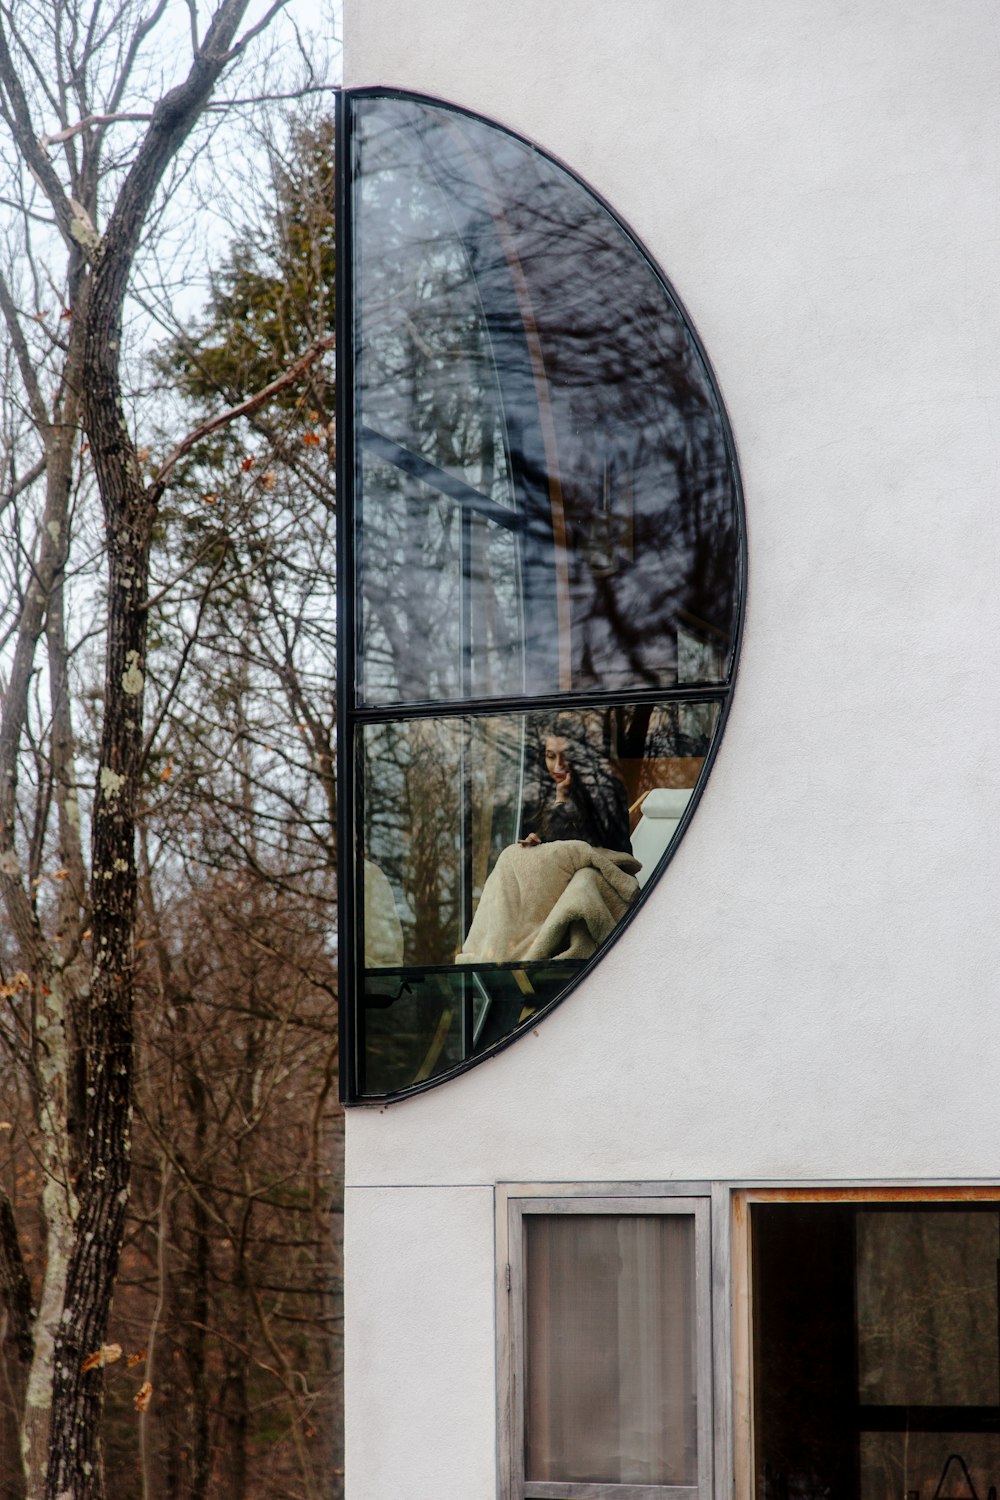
(811, 992)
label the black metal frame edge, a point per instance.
(349, 714)
(528, 703)
(964, 1419)
(345, 605)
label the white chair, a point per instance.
(662, 809)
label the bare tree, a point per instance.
(98, 133)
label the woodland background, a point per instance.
(170, 1138)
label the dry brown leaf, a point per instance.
(105, 1355)
(168, 771)
(62, 874)
(269, 479)
(143, 1396)
(135, 1359)
(311, 439)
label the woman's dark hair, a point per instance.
(597, 809)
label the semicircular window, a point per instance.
(541, 565)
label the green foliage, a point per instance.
(243, 681)
(274, 296)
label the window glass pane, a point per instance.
(438, 560)
(542, 502)
(927, 1308)
(517, 353)
(910, 1465)
(610, 1349)
(498, 854)
(425, 367)
(876, 1350)
(431, 564)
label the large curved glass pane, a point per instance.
(521, 368)
(439, 560)
(542, 502)
(499, 855)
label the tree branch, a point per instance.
(261, 25)
(23, 481)
(23, 355)
(141, 32)
(19, 117)
(84, 124)
(300, 93)
(243, 409)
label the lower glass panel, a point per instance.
(920, 1465)
(500, 853)
(420, 1022)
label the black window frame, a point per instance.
(351, 717)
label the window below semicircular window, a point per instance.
(541, 584)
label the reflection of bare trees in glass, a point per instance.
(411, 817)
(927, 1308)
(927, 1336)
(438, 583)
(511, 334)
(441, 801)
(431, 868)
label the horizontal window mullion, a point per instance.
(610, 1203)
(595, 1490)
(900, 1418)
(531, 703)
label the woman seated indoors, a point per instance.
(560, 891)
(580, 796)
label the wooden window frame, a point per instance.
(741, 1301)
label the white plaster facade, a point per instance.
(811, 992)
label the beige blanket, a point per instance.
(557, 900)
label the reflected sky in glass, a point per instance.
(545, 460)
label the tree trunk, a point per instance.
(75, 1455)
(75, 1466)
(201, 1455)
(51, 1043)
